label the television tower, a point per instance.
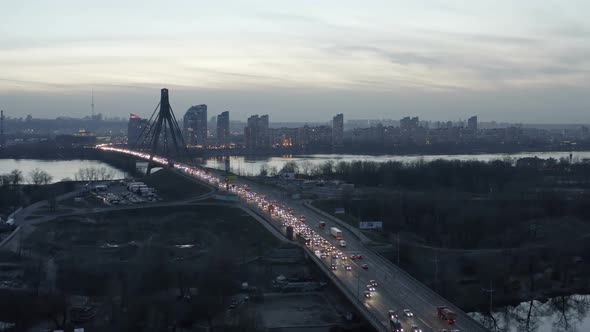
(1, 128)
(92, 106)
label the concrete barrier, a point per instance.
(371, 318)
(9, 237)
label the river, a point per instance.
(563, 313)
(58, 169)
(251, 166)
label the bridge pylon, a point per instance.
(161, 136)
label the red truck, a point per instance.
(447, 314)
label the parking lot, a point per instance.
(124, 193)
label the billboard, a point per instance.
(371, 225)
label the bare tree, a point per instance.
(290, 167)
(105, 174)
(306, 167)
(16, 177)
(88, 174)
(39, 177)
(5, 179)
(263, 171)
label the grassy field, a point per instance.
(171, 185)
(202, 227)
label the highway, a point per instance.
(396, 290)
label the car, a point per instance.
(348, 267)
(343, 257)
(365, 266)
(370, 288)
(415, 328)
(359, 256)
(367, 294)
(396, 325)
(392, 314)
(334, 267)
(352, 256)
(373, 283)
(408, 313)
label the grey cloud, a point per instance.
(289, 17)
(481, 38)
(236, 74)
(47, 42)
(401, 58)
(571, 30)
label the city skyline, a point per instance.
(504, 61)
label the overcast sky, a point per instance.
(512, 60)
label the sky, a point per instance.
(504, 60)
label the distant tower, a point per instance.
(1, 128)
(338, 130)
(92, 106)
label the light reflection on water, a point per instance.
(251, 166)
(58, 169)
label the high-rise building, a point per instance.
(223, 128)
(195, 125)
(256, 134)
(472, 123)
(134, 129)
(338, 130)
(408, 123)
(251, 131)
(263, 125)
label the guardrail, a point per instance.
(14, 213)
(370, 316)
(416, 283)
(9, 237)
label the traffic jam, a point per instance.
(288, 218)
(290, 222)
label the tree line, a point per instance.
(470, 176)
(19, 189)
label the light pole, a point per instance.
(435, 260)
(358, 286)
(397, 250)
(491, 291)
